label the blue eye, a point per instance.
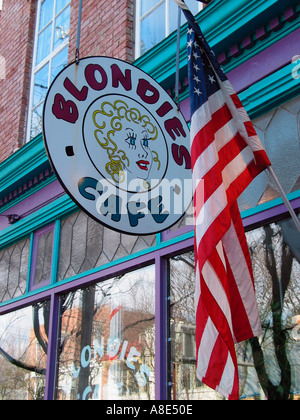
(131, 138)
(145, 142)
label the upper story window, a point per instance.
(50, 55)
(156, 19)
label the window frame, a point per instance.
(159, 257)
(47, 60)
(139, 19)
(37, 235)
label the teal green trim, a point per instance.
(23, 165)
(147, 251)
(55, 255)
(158, 239)
(59, 208)
(258, 99)
(160, 245)
(269, 205)
(155, 248)
(27, 194)
(29, 263)
(28, 295)
(270, 92)
(224, 23)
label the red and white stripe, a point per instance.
(226, 156)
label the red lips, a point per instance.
(143, 164)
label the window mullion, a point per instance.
(47, 60)
(152, 10)
(167, 17)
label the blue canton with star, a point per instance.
(202, 78)
(205, 72)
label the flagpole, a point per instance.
(177, 59)
(284, 197)
(286, 201)
(78, 32)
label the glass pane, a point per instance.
(44, 258)
(108, 340)
(14, 270)
(275, 255)
(173, 13)
(46, 13)
(44, 44)
(278, 130)
(40, 85)
(60, 4)
(23, 353)
(185, 385)
(153, 28)
(173, 17)
(187, 221)
(36, 121)
(194, 6)
(62, 28)
(147, 5)
(93, 245)
(59, 62)
(274, 373)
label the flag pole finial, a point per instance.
(181, 4)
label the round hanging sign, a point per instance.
(118, 145)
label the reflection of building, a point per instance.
(115, 360)
(49, 248)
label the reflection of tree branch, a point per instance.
(37, 329)
(134, 324)
(180, 258)
(280, 282)
(21, 365)
(181, 299)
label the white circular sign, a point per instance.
(118, 145)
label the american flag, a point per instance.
(226, 156)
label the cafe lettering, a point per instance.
(119, 145)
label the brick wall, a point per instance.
(16, 46)
(107, 29)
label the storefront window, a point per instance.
(183, 382)
(275, 256)
(51, 56)
(278, 130)
(23, 353)
(42, 257)
(107, 342)
(86, 244)
(269, 367)
(156, 19)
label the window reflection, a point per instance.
(269, 367)
(108, 340)
(13, 270)
(150, 37)
(275, 256)
(156, 19)
(23, 353)
(51, 55)
(184, 384)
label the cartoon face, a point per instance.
(139, 153)
(125, 143)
